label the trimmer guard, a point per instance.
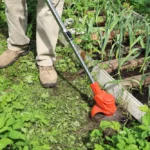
(105, 102)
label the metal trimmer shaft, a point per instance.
(68, 37)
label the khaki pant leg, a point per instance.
(47, 32)
(16, 13)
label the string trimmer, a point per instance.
(105, 103)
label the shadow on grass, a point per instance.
(3, 27)
(84, 96)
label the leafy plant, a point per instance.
(141, 6)
(15, 120)
(135, 137)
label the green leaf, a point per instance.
(37, 148)
(145, 134)
(76, 124)
(18, 106)
(46, 147)
(131, 147)
(26, 116)
(120, 146)
(20, 144)
(146, 119)
(131, 139)
(116, 125)
(45, 95)
(95, 133)
(29, 79)
(110, 124)
(5, 129)
(26, 148)
(114, 23)
(10, 121)
(141, 142)
(2, 121)
(98, 147)
(109, 139)
(143, 127)
(144, 108)
(128, 57)
(44, 121)
(105, 124)
(147, 147)
(17, 125)
(136, 40)
(4, 142)
(16, 135)
(121, 141)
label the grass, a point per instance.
(49, 118)
(65, 107)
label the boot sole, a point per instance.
(49, 85)
(20, 55)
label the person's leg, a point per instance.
(16, 13)
(46, 39)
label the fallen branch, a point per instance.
(110, 66)
(135, 81)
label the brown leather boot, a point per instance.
(48, 76)
(8, 57)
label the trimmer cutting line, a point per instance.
(105, 103)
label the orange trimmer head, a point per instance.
(105, 103)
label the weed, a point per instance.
(123, 138)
